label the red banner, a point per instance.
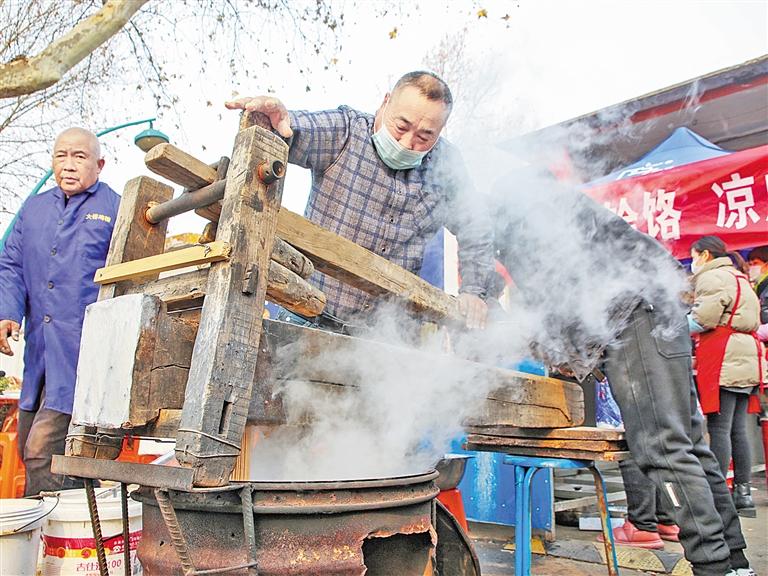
(725, 196)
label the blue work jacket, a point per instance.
(46, 277)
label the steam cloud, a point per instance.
(579, 271)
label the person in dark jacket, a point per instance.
(590, 282)
(59, 240)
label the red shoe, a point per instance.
(628, 535)
(669, 532)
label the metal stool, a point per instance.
(525, 469)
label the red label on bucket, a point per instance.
(86, 547)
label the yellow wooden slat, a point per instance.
(193, 256)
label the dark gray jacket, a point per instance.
(579, 268)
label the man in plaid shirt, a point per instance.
(388, 182)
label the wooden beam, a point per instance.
(361, 268)
(565, 444)
(354, 265)
(176, 289)
(179, 167)
(224, 361)
(284, 288)
(517, 399)
(572, 433)
(282, 253)
(330, 253)
(134, 237)
(286, 255)
(541, 401)
(136, 361)
(293, 292)
(485, 443)
(211, 212)
(192, 256)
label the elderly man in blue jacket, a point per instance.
(60, 238)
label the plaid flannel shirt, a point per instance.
(393, 213)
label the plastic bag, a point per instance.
(607, 413)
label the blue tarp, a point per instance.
(682, 147)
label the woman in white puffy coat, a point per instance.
(729, 357)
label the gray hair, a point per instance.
(429, 84)
(94, 141)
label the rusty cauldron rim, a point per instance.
(312, 497)
(313, 485)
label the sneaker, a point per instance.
(628, 535)
(669, 532)
(742, 572)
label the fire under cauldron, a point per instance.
(381, 527)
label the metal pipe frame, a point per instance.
(186, 202)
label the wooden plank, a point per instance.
(484, 443)
(153, 475)
(574, 432)
(565, 444)
(575, 503)
(543, 403)
(354, 265)
(192, 256)
(539, 402)
(361, 268)
(528, 400)
(224, 360)
(134, 237)
(282, 253)
(166, 425)
(179, 167)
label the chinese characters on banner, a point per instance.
(725, 196)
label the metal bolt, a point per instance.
(270, 171)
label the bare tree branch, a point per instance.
(24, 75)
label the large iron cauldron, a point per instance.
(376, 527)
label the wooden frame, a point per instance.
(230, 363)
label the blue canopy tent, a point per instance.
(682, 147)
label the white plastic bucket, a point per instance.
(68, 544)
(20, 521)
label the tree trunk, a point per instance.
(24, 75)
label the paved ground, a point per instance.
(575, 553)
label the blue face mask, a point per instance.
(394, 154)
